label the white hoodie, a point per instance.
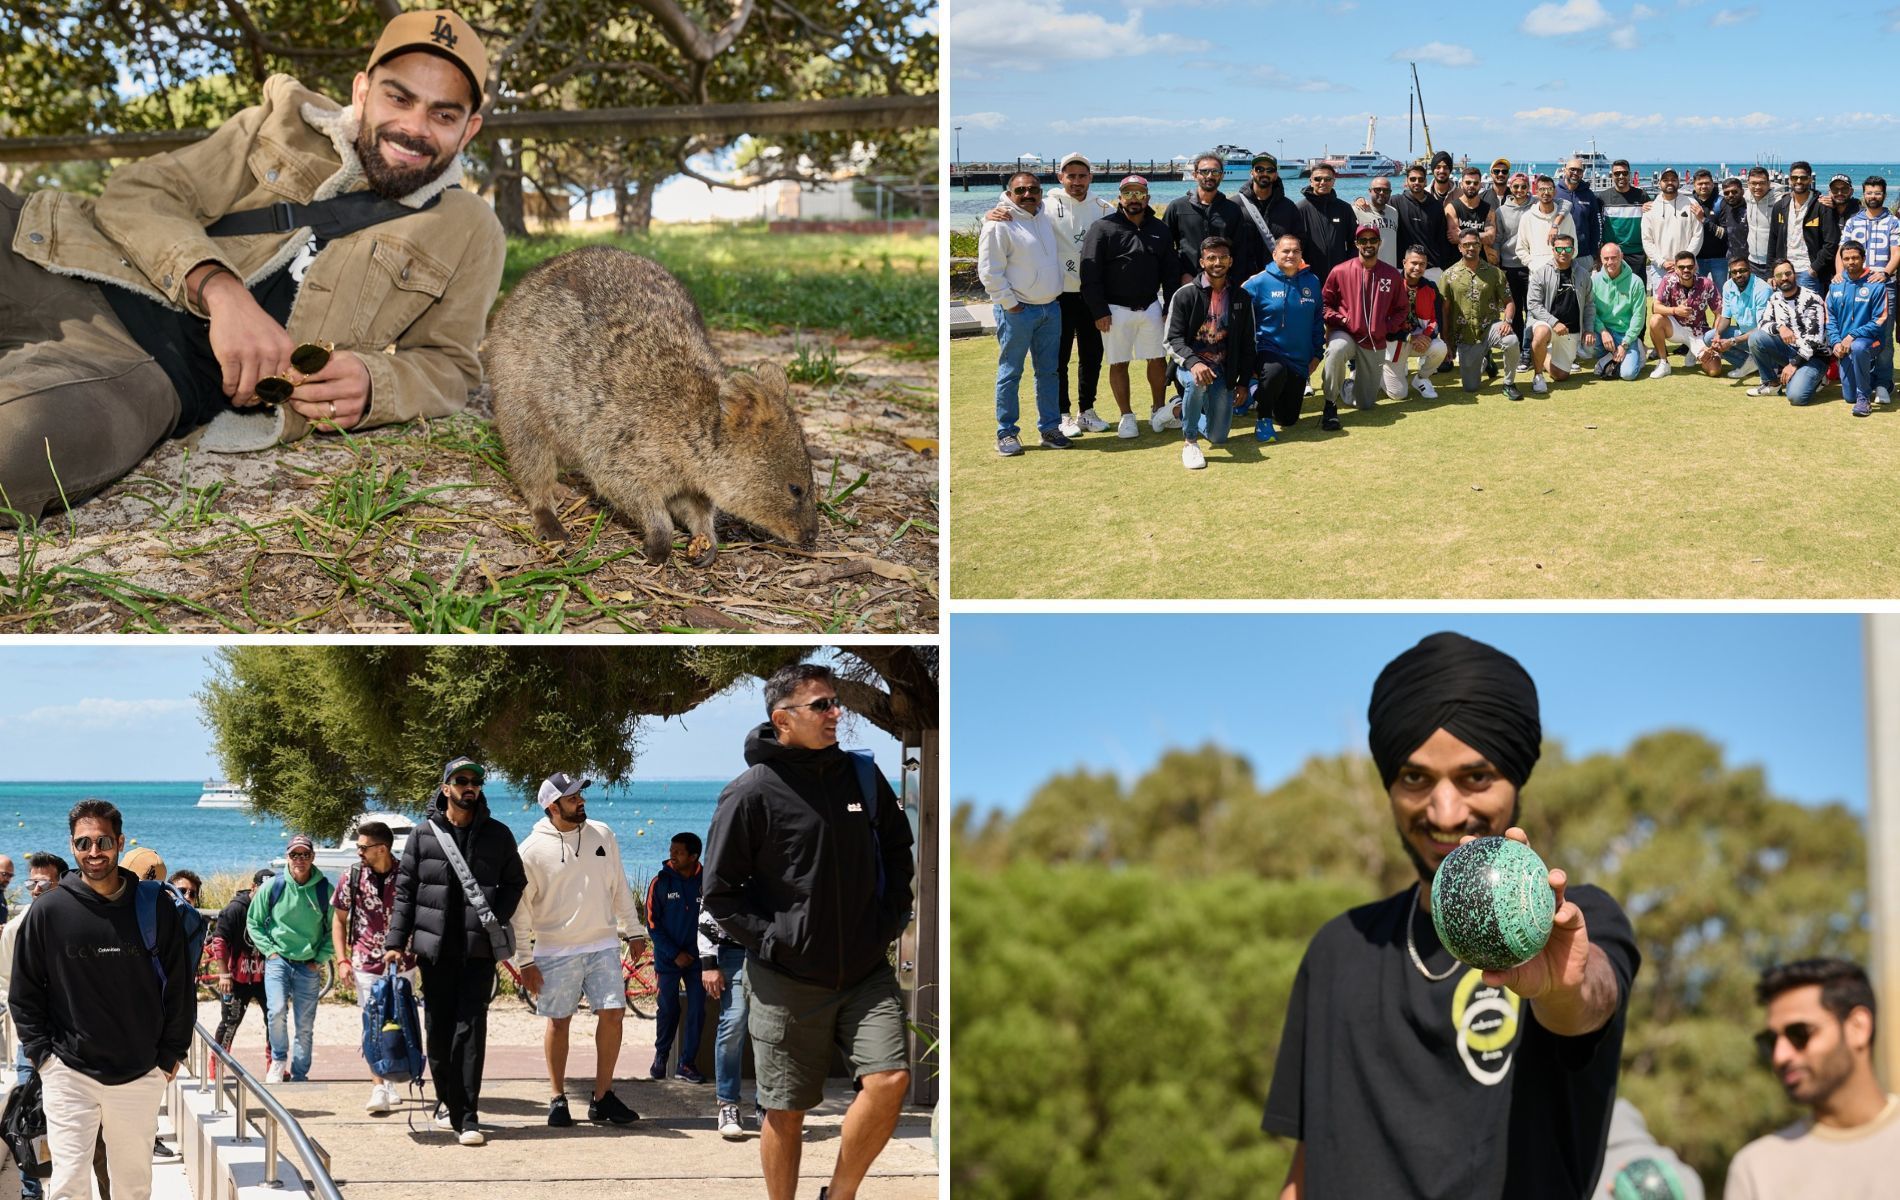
(1072, 218)
(575, 896)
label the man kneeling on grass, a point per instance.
(177, 298)
(1215, 367)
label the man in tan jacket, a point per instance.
(162, 305)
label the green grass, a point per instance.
(1682, 487)
(879, 286)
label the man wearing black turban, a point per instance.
(1401, 1071)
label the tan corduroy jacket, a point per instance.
(410, 296)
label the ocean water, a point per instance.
(967, 208)
(164, 815)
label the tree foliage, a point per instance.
(1719, 876)
(321, 732)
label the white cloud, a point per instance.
(1003, 33)
(100, 713)
(1623, 37)
(1642, 12)
(1138, 124)
(1552, 85)
(982, 120)
(1732, 16)
(1275, 77)
(1445, 54)
(1559, 20)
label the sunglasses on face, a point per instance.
(105, 842)
(1028, 191)
(1563, 250)
(36, 886)
(1381, 191)
(299, 856)
(1798, 1034)
(1209, 171)
(463, 781)
(823, 704)
(1131, 194)
(366, 847)
(306, 359)
(1801, 177)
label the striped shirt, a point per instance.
(1876, 234)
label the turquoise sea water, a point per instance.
(164, 815)
(967, 208)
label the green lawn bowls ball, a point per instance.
(1647, 1179)
(1492, 903)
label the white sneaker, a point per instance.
(1882, 396)
(1091, 423)
(1741, 372)
(1128, 427)
(1191, 456)
(1425, 387)
(442, 1122)
(471, 1134)
(1762, 389)
(1538, 385)
(1168, 416)
(1662, 368)
(380, 1101)
(729, 1127)
(1070, 427)
(276, 1072)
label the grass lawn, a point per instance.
(1681, 487)
(744, 278)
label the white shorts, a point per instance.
(1133, 333)
(1563, 350)
(1679, 333)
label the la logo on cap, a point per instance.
(442, 32)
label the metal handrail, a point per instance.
(204, 1051)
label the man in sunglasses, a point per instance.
(43, 873)
(289, 920)
(457, 954)
(1265, 204)
(359, 920)
(1019, 262)
(1623, 208)
(1404, 1072)
(1818, 1041)
(105, 1020)
(1804, 231)
(1203, 213)
(809, 867)
(160, 307)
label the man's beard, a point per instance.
(393, 183)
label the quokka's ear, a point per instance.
(753, 398)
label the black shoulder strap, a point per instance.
(328, 219)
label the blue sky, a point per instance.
(1032, 696)
(124, 711)
(1523, 80)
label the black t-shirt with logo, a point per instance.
(1564, 305)
(181, 343)
(1402, 1087)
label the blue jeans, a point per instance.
(1713, 268)
(1205, 409)
(729, 1052)
(671, 978)
(1770, 354)
(289, 985)
(1807, 280)
(1857, 370)
(1633, 361)
(1035, 333)
(1883, 357)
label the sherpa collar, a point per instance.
(341, 126)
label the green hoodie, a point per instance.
(1622, 304)
(297, 926)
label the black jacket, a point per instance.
(1326, 232)
(1126, 264)
(1821, 231)
(1422, 223)
(1714, 232)
(83, 986)
(1734, 228)
(1187, 311)
(1191, 221)
(1280, 211)
(792, 864)
(429, 899)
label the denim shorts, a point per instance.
(564, 980)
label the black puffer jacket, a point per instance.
(792, 863)
(429, 898)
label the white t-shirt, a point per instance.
(1797, 240)
(1806, 1161)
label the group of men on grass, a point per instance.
(1795, 288)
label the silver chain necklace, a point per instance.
(1411, 945)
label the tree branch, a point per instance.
(693, 41)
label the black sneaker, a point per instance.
(658, 1069)
(609, 1109)
(1511, 392)
(1054, 440)
(688, 1073)
(558, 1116)
(163, 1153)
(1329, 419)
(1490, 368)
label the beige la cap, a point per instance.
(438, 31)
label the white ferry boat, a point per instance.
(1367, 162)
(220, 794)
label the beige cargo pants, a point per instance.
(80, 403)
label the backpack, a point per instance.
(392, 1036)
(24, 1128)
(190, 921)
(278, 884)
